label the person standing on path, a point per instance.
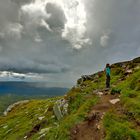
(108, 73)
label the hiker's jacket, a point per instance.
(108, 71)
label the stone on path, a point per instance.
(100, 93)
(114, 101)
(129, 71)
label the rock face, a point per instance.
(60, 108)
(10, 108)
(93, 77)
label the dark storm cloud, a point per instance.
(27, 45)
(8, 12)
(32, 66)
(57, 19)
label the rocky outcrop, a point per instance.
(93, 77)
(60, 108)
(11, 107)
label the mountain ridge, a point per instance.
(88, 111)
(30, 88)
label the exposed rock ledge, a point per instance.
(10, 107)
(60, 108)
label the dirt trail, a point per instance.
(91, 128)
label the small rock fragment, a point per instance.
(114, 101)
(100, 93)
(41, 118)
(129, 71)
(98, 126)
(42, 131)
(25, 137)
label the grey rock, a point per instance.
(45, 130)
(114, 101)
(41, 118)
(60, 108)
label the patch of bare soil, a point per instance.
(91, 128)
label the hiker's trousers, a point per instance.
(107, 81)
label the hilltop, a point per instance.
(88, 111)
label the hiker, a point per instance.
(108, 72)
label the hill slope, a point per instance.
(87, 112)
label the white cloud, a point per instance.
(75, 27)
(15, 76)
(104, 40)
(35, 14)
(10, 74)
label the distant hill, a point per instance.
(30, 88)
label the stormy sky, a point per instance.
(57, 41)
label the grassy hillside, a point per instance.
(8, 99)
(36, 120)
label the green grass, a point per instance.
(63, 131)
(123, 126)
(130, 94)
(118, 128)
(23, 118)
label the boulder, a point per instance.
(60, 108)
(57, 112)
